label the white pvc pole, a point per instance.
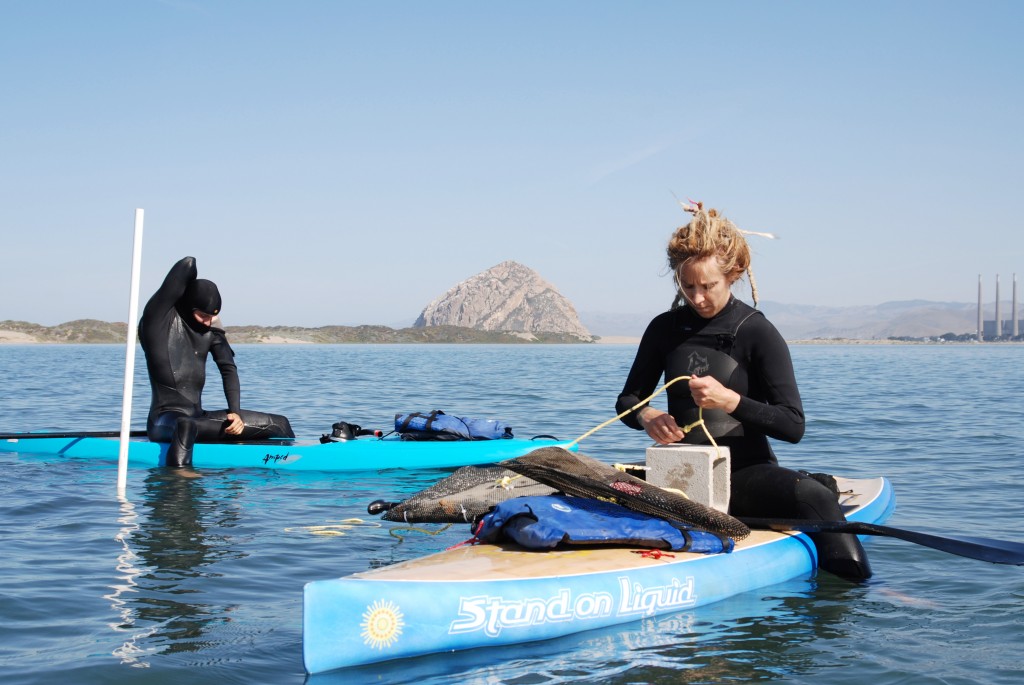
(129, 364)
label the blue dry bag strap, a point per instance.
(431, 417)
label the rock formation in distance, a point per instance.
(506, 297)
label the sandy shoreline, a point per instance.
(17, 338)
(279, 340)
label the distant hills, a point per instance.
(98, 332)
(511, 303)
(904, 319)
(908, 319)
(508, 303)
(80, 331)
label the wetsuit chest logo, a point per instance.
(697, 363)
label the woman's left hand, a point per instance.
(708, 393)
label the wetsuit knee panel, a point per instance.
(815, 501)
(164, 426)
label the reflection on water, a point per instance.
(171, 542)
(753, 637)
(129, 652)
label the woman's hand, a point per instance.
(235, 424)
(660, 426)
(708, 393)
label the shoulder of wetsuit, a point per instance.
(221, 337)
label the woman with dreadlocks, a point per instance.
(741, 383)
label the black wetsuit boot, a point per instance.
(179, 452)
(842, 554)
(838, 553)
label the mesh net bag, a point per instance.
(583, 476)
(466, 494)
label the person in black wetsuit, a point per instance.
(177, 335)
(742, 379)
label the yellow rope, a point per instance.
(334, 529)
(626, 468)
(505, 482)
(643, 402)
(398, 532)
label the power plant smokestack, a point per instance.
(981, 318)
(1016, 332)
(999, 315)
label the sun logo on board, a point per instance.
(382, 624)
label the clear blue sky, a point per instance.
(346, 162)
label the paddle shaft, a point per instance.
(982, 549)
(70, 434)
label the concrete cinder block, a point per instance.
(701, 471)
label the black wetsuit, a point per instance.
(745, 352)
(176, 347)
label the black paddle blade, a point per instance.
(982, 549)
(577, 474)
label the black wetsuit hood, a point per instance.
(201, 295)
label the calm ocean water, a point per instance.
(200, 580)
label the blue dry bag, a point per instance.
(437, 425)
